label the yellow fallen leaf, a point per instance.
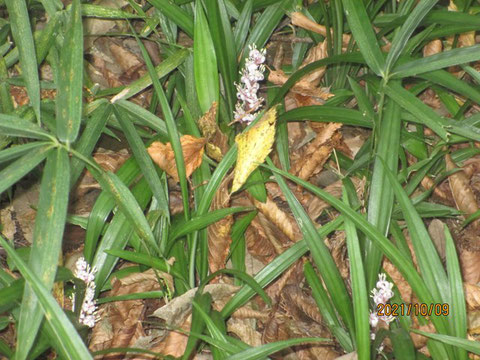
(192, 148)
(253, 147)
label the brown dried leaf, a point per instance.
(121, 321)
(461, 190)
(300, 20)
(293, 275)
(472, 296)
(217, 141)
(219, 239)
(285, 222)
(174, 343)
(163, 155)
(316, 53)
(245, 330)
(437, 233)
(298, 304)
(303, 87)
(275, 329)
(317, 152)
(432, 48)
(470, 264)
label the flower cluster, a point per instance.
(83, 271)
(381, 295)
(252, 73)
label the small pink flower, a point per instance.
(83, 272)
(249, 102)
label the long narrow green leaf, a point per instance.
(472, 346)
(359, 288)
(116, 236)
(259, 352)
(241, 29)
(89, 138)
(22, 34)
(362, 31)
(407, 29)
(144, 161)
(16, 151)
(70, 81)
(325, 113)
(205, 62)
(322, 257)
(65, 333)
(162, 69)
(176, 14)
(222, 37)
(127, 204)
(266, 24)
(203, 221)
(380, 201)
(326, 308)
(426, 254)
(47, 244)
(12, 125)
(458, 310)
(409, 102)
(104, 205)
(438, 61)
(18, 169)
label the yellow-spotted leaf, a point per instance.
(253, 147)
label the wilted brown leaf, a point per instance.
(258, 244)
(300, 20)
(437, 233)
(164, 157)
(461, 190)
(303, 87)
(432, 48)
(121, 321)
(297, 304)
(285, 222)
(217, 141)
(219, 239)
(245, 330)
(472, 296)
(317, 152)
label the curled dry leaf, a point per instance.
(472, 296)
(219, 239)
(316, 53)
(465, 201)
(163, 156)
(461, 190)
(303, 87)
(317, 152)
(121, 321)
(299, 305)
(300, 20)
(217, 141)
(294, 275)
(285, 222)
(432, 48)
(245, 330)
(258, 244)
(253, 147)
(437, 233)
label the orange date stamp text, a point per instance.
(413, 309)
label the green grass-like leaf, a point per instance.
(70, 80)
(63, 330)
